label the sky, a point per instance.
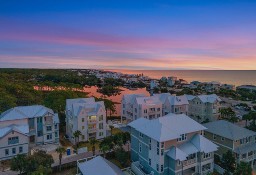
(128, 34)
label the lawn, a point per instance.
(88, 145)
(70, 171)
(116, 130)
(64, 142)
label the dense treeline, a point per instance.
(17, 88)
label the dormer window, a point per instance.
(182, 137)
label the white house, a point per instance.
(127, 110)
(147, 107)
(14, 139)
(87, 116)
(135, 106)
(23, 127)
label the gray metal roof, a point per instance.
(245, 148)
(228, 130)
(23, 112)
(99, 166)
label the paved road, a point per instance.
(8, 172)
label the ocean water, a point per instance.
(235, 77)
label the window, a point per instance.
(157, 151)
(56, 134)
(39, 120)
(48, 128)
(6, 152)
(158, 109)
(82, 119)
(157, 167)
(140, 149)
(182, 137)
(162, 168)
(162, 145)
(157, 144)
(20, 149)
(100, 133)
(135, 109)
(179, 162)
(250, 153)
(56, 126)
(141, 135)
(39, 133)
(191, 156)
(145, 111)
(82, 127)
(13, 140)
(214, 137)
(158, 115)
(243, 156)
(100, 125)
(13, 150)
(222, 138)
(207, 155)
(162, 152)
(83, 137)
(49, 136)
(101, 118)
(149, 162)
(149, 146)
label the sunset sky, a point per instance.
(128, 34)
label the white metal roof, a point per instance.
(88, 104)
(23, 112)
(148, 100)
(23, 129)
(168, 127)
(178, 100)
(209, 98)
(176, 154)
(197, 144)
(130, 98)
(162, 97)
(70, 102)
(99, 166)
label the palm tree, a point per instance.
(76, 134)
(104, 148)
(61, 151)
(111, 129)
(93, 143)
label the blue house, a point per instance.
(170, 145)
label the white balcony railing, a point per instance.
(138, 169)
(91, 130)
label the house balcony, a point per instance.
(92, 130)
(32, 131)
(91, 121)
(137, 168)
(189, 163)
(151, 112)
